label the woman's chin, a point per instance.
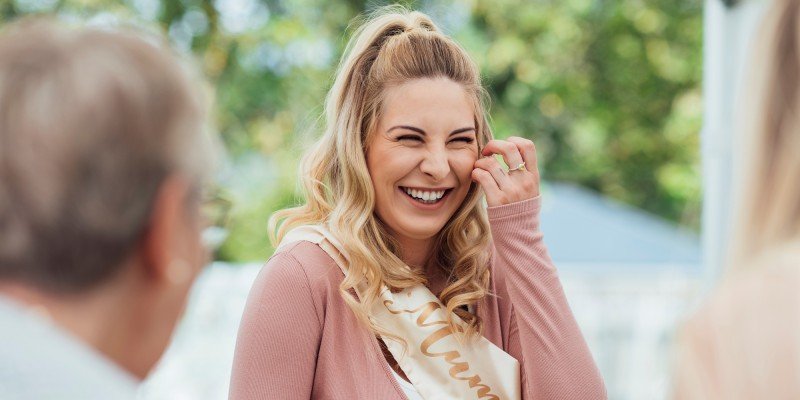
(422, 231)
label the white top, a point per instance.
(39, 360)
(407, 387)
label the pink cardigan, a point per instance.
(299, 340)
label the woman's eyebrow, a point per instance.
(462, 130)
(411, 128)
(422, 132)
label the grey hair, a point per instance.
(91, 123)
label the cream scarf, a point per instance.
(436, 364)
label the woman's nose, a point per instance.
(436, 164)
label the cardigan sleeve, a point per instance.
(279, 335)
(555, 361)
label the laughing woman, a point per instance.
(393, 280)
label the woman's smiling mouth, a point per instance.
(424, 196)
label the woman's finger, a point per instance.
(529, 180)
(493, 193)
(528, 151)
(508, 150)
(499, 174)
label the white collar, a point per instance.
(39, 359)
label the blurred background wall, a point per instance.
(610, 91)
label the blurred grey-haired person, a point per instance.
(104, 151)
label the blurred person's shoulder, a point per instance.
(770, 282)
(747, 334)
(763, 293)
(41, 360)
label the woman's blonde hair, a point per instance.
(768, 215)
(392, 47)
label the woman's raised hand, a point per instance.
(520, 182)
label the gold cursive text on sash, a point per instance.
(452, 356)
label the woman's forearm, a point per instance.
(544, 336)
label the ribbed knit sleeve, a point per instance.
(279, 335)
(555, 362)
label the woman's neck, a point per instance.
(415, 252)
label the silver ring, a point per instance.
(519, 167)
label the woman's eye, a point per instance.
(463, 140)
(410, 137)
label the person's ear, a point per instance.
(162, 237)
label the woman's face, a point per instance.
(422, 155)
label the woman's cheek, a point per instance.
(464, 163)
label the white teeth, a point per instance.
(425, 195)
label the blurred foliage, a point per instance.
(608, 90)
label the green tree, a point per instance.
(608, 90)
